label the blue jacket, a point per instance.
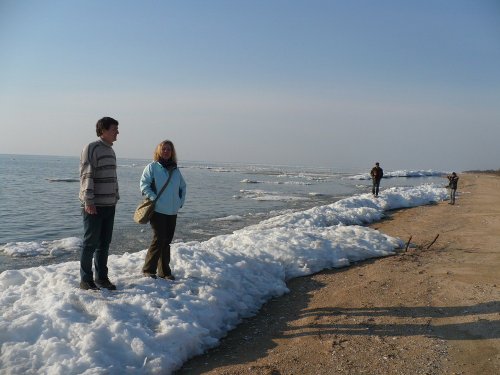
(174, 195)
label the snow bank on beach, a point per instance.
(153, 326)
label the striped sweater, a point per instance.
(98, 180)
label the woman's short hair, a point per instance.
(104, 124)
(157, 152)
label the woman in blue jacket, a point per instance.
(164, 218)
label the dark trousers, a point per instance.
(453, 193)
(98, 230)
(158, 256)
(375, 187)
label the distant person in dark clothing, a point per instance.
(98, 195)
(377, 173)
(453, 178)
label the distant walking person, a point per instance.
(99, 195)
(377, 173)
(163, 170)
(453, 178)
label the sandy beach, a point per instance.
(433, 309)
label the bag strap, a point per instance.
(170, 173)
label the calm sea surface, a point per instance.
(39, 196)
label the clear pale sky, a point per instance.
(341, 84)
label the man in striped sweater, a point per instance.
(98, 195)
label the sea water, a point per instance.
(41, 221)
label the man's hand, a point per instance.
(90, 209)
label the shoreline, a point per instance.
(429, 311)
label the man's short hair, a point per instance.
(104, 124)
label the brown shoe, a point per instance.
(88, 285)
(147, 274)
(105, 283)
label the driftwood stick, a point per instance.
(432, 243)
(408, 243)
